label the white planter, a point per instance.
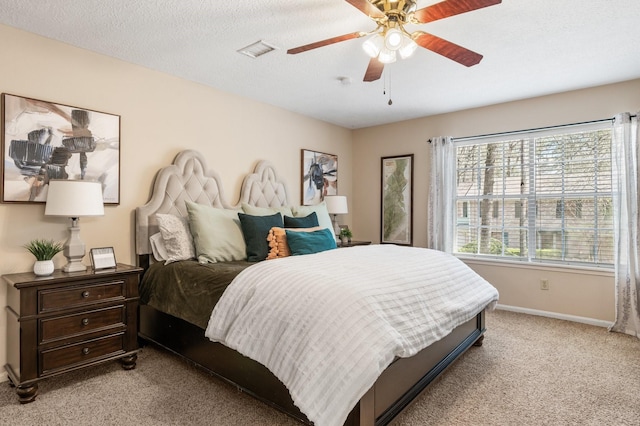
(43, 267)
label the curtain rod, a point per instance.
(537, 129)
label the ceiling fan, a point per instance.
(390, 38)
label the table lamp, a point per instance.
(336, 204)
(73, 199)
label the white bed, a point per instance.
(400, 362)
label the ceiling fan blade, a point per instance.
(326, 42)
(448, 49)
(367, 8)
(374, 70)
(448, 8)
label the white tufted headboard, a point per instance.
(188, 179)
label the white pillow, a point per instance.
(324, 220)
(157, 247)
(176, 237)
(217, 233)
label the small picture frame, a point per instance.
(102, 258)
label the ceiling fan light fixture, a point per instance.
(390, 38)
(393, 39)
(373, 45)
(387, 56)
(408, 47)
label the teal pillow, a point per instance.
(255, 230)
(308, 221)
(310, 242)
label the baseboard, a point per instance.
(4, 377)
(583, 320)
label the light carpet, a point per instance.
(530, 371)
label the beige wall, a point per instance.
(572, 292)
(160, 115)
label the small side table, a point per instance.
(354, 243)
(67, 321)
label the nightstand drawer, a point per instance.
(51, 300)
(83, 323)
(74, 355)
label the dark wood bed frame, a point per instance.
(394, 390)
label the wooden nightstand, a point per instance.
(68, 321)
(354, 243)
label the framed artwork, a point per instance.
(319, 176)
(43, 140)
(397, 200)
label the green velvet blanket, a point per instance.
(187, 289)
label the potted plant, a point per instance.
(345, 235)
(43, 250)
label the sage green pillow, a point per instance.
(217, 234)
(324, 221)
(266, 211)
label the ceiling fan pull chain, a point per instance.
(384, 84)
(388, 77)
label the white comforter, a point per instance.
(328, 324)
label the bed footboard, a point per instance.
(394, 390)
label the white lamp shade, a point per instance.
(408, 47)
(74, 198)
(393, 39)
(387, 56)
(373, 45)
(336, 204)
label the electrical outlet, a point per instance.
(544, 284)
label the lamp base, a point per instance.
(74, 249)
(74, 266)
(336, 227)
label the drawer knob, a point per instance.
(85, 351)
(85, 294)
(85, 321)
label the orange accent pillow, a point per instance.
(277, 239)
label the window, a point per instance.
(496, 209)
(543, 195)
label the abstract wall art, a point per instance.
(319, 176)
(44, 140)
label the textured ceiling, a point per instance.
(530, 48)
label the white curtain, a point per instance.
(625, 207)
(442, 187)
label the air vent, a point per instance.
(256, 49)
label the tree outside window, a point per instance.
(558, 185)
